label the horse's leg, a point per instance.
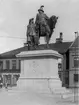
(28, 45)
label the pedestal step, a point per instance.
(42, 85)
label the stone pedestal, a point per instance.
(39, 70)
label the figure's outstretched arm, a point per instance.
(46, 17)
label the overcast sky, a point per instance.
(15, 14)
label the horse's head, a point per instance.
(53, 21)
(54, 17)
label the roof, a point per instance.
(75, 43)
(60, 47)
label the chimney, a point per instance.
(61, 35)
(60, 39)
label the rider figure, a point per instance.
(31, 30)
(41, 20)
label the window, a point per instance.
(13, 64)
(19, 64)
(66, 80)
(76, 77)
(76, 62)
(59, 66)
(1, 65)
(7, 64)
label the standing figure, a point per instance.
(31, 32)
(41, 22)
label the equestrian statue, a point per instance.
(43, 27)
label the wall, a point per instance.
(74, 52)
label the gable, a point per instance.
(75, 43)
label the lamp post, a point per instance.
(75, 85)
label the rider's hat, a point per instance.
(41, 8)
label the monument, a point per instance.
(39, 68)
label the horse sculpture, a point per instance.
(51, 22)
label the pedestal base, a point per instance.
(43, 85)
(39, 71)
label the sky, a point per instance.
(15, 14)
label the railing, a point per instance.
(10, 71)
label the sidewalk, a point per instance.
(30, 97)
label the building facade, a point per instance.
(70, 70)
(74, 64)
(9, 71)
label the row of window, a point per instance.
(14, 63)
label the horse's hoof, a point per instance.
(47, 46)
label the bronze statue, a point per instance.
(43, 27)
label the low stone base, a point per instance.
(43, 85)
